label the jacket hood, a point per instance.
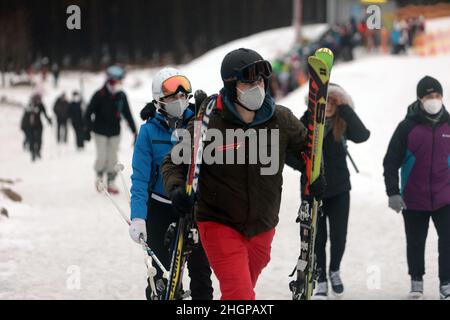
(337, 90)
(416, 114)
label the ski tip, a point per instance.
(326, 55)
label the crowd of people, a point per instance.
(291, 70)
(41, 68)
(102, 117)
(65, 111)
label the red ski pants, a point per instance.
(236, 260)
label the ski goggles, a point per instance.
(176, 84)
(254, 72)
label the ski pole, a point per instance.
(344, 144)
(155, 258)
(351, 160)
(118, 168)
(106, 193)
(143, 243)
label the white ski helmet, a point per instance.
(160, 78)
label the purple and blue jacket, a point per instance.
(420, 148)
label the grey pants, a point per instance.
(107, 150)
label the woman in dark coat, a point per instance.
(342, 124)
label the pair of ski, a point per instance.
(187, 235)
(319, 67)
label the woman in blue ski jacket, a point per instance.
(151, 209)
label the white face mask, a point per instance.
(176, 108)
(432, 106)
(252, 98)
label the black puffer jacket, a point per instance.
(108, 110)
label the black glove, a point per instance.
(182, 203)
(199, 97)
(316, 189)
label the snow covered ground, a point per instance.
(66, 241)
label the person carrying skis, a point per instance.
(31, 125)
(237, 205)
(108, 105)
(61, 110)
(341, 124)
(420, 148)
(151, 209)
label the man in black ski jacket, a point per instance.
(108, 105)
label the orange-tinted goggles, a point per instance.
(176, 84)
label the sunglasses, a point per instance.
(176, 84)
(253, 72)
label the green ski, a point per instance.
(319, 69)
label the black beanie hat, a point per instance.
(428, 85)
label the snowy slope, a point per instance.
(64, 223)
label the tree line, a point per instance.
(134, 31)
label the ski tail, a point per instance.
(176, 272)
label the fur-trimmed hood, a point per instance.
(337, 90)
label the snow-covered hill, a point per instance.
(64, 226)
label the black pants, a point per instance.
(34, 137)
(336, 211)
(61, 133)
(79, 136)
(160, 216)
(416, 227)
